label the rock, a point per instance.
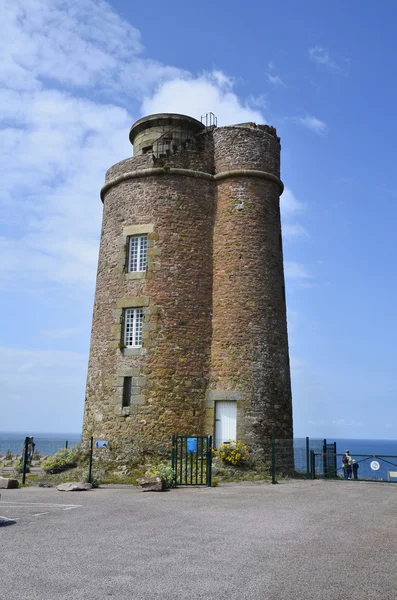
(74, 486)
(45, 484)
(4, 521)
(7, 483)
(151, 484)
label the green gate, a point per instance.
(192, 459)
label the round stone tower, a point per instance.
(249, 352)
(189, 329)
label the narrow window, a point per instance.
(137, 252)
(127, 391)
(133, 319)
(147, 149)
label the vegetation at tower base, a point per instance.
(212, 296)
(234, 453)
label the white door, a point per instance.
(225, 422)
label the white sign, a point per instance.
(101, 444)
(374, 465)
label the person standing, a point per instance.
(345, 464)
(349, 465)
(355, 466)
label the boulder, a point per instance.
(45, 484)
(74, 486)
(4, 521)
(6, 483)
(151, 484)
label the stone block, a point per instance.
(133, 301)
(138, 399)
(6, 483)
(74, 486)
(151, 484)
(4, 521)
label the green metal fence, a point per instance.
(192, 459)
(365, 467)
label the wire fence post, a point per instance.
(313, 464)
(209, 461)
(273, 460)
(90, 462)
(307, 457)
(25, 460)
(66, 444)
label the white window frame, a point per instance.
(137, 254)
(133, 326)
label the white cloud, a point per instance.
(78, 45)
(196, 96)
(294, 231)
(57, 144)
(38, 384)
(296, 271)
(290, 208)
(275, 80)
(321, 56)
(289, 205)
(312, 123)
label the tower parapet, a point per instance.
(163, 133)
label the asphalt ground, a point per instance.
(296, 540)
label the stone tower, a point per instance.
(189, 330)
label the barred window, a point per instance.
(133, 319)
(137, 253)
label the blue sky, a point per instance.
(73, 78)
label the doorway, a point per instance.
(225, 422)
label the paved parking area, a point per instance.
(22, 510)
(296, 540)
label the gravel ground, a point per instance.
(299, 540)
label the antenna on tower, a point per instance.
(209, 120)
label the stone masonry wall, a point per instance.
(249, 335)
(170, 371)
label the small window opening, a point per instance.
(147, 149)
(133, 321)
(137, 254)
(127, 383)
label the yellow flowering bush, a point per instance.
(233, 453)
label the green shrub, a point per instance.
(18, 467)
(166, 472)
(9, 455)
(60, 461)
(95, 481)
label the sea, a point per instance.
(46, 443)
(376, 458)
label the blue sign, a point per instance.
(191, 444)
(101, 444)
